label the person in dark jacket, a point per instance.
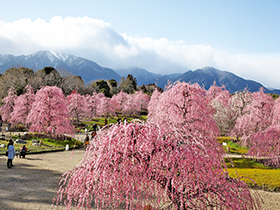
(23, 151)
(94, 127)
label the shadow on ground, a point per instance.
(25, 186)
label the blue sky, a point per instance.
(162, 36)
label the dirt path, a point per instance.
(31, 183)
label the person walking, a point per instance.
(94, 127)
(11, 154)
(1, 123)
(86, 141)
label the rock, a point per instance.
(35, 141)
(20, 141)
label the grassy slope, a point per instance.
(255, 174)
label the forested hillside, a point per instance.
(19, 78)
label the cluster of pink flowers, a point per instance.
(171, 161)
(50, 111)
(252, 118)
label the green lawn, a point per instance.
(47, 145)
(255, 174)
(233, 147)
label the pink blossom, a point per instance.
(135, 163)
(23, 106)
(76, 105)
(172, 161)
(266, 143)
(120, 100)
(49, 112)
(256, 117)
(8, 105)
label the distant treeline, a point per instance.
(19, 78)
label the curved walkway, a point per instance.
(31, 184)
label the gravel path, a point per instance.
(31, 183)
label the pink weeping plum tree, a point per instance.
(92, 104)
(130, 106)
(152, 106)
(119, 100)
(8, 105)
(106, 107)
(266, 143)
(141, 101)
(76, 105)
(49, 112)
(141, 163)
(219, 98)
(239, 103)
(257, 117)
(217, 92)
(23, 106)
(276, 112)
(98, 98)
(185, 106)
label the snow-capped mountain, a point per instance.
(85, 68)
(90, 70)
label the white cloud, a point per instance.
(263, 68)
(97, 40)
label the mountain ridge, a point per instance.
(232, 82)
(90, 70)
(87, 69)
(143, 76)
